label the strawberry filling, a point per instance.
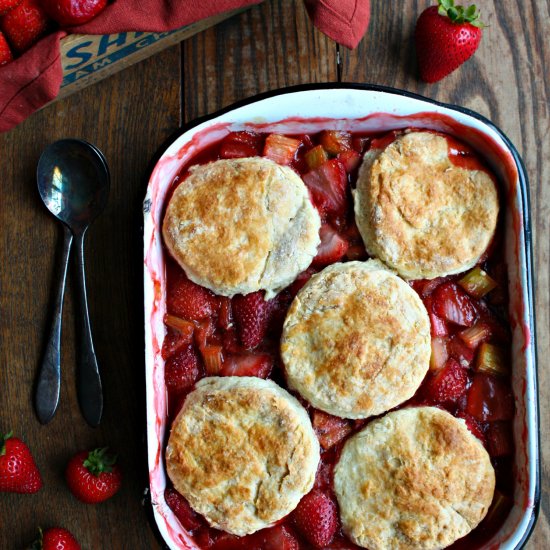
(209, 335)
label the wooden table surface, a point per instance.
(129, 116)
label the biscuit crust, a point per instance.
(243, 452)
(356, 340)
(421, 214)
(413, 479)
(242, 225)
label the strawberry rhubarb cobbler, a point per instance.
(337, 349)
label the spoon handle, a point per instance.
(88, 381)
(46, 397)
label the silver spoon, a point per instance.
(73, 181)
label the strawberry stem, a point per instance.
(3, 439)
(458, 14)
(99, 461)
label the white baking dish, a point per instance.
(359, 109)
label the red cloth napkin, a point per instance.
(33, 79)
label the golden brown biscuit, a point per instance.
(243, 452)
(237, 226)
(413, 479)
(356, 340)
(421, 214)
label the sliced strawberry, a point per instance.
(24, 24)
(454, 305)
(447, 384)
(212, 357)
(333, 247)
(5, 52)
(301, 280)
(281, 149)
(252, 317)
(438, 327)
(323, 478)
(189, 519)
(241, 145)
(330, 429)
(316, 518)
(334, 141)
(460, 351)
(490, 399)
(7, 5)
(247, 364)
(175, 341)
(500, 439)
(425, 287)
(278, 308)
(181, 370)
(350, 160)
(328, 185)
(231, 342)
(188, 300)
(225, 317)
(473, 425)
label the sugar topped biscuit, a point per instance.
(413, 479)
(420, 213)
(242, 225)
(243, 452)
(356, 340)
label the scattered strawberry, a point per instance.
(446, 36)
(452, 303)
(248, 364)
(55, 538)
(5, 52)
(330, 429)
(316, 518)
(252, 317)
(18, 471)
(73, 12)
(181, 369)
(93, 476)
(188, 300)
(447, 384)
(281, 149)
(332, 248)
(490, 399)
(240, 145)
(189, 519)
(328, 187)
(7, 5)
(24, 24)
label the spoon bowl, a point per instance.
(73, 182)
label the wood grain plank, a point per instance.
(269, 46)
(507, 81)
(128, 116)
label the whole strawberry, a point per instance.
(7, 5)
(73, 12)
(55, 538)
(446, 36)
(24, 24)
(316, 517)
(5, 51)
(93, 476)
(18, 471)
(252, 317)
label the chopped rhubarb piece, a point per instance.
(473, 425)
(447, 384)
(491, 360)
(240, 145)
(248, 364)
(281, 149)
(225, 316)
(328, 187)
(330, 429)
(212, 357)
(360, 144)
(477, 283)
(490, 399)
(475, 335)
(350, 159)
(181, 370)
(460, 351)
(440, 354)
(500, 439)
(315, 157)
(184, 327)
(203, 332)
(451, 303)
(334, 141)
(332, 248)
(188, 300)
(189, 519)
(252, 318)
